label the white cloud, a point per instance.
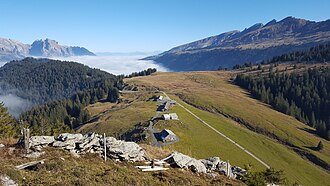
(116, 64)
(15, 104)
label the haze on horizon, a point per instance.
(130, 26)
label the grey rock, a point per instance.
(89, 141)
(211, 163)
(92, 143)
(184, 161)
(238, 171)
(69, 144)
(2, 145)
(122, 150)
(41, 140)
(68, 136)
(222, 167)
(34, 154)
(7, 181)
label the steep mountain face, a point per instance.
(51, 48)
(253, 44)
(11, 49)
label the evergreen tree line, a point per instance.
(244, 65)
(62, 116)
(44, 80)
(317, 54)
(306, 95)
(147, 72)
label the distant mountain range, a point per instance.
(11, 49)
(253, 44)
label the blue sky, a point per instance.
(142, 25)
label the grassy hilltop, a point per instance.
(252, 124)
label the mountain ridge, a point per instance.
(11, 49)
(253, 44)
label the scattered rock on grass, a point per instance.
(7, 181)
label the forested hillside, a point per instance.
(43, 80)
(304, 95)
(317, 54)
(62, 89)
(62, 116)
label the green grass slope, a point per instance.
(116, 119)
(211, 91)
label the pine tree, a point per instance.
(8, 126)
(113, 95)
(320, 146)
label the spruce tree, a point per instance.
(320, 146)
(8, 126)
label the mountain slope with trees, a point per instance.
(302, 95)
(317, 54)
(43, 80)
(253, 44)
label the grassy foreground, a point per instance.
(61, 168)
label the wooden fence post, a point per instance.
(105, 147)
(228, 169)
(26, 133)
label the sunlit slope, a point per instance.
(212, 91)
(116, 119)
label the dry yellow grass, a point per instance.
(61, 168)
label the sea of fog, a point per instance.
(115, 63)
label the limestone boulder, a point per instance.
(129, 151)
(211, 163)
(68, 136)
(41, 141)
(184, 161)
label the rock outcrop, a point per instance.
(186, 162)
(123, 150)
(91, 143)
(208, 165)
(128, 151)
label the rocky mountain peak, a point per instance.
(253, 44)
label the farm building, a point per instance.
(167, 135)
(160, 98)
(167, 106)
(171, 116)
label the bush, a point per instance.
(262, 178)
